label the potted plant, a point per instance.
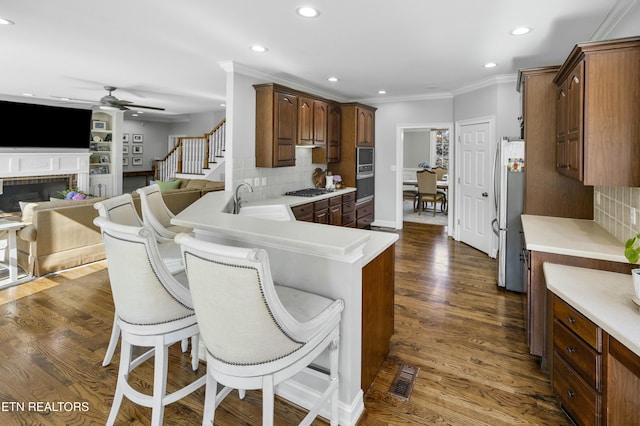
(632, 253)
(73, 194)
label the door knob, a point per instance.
(484, 194)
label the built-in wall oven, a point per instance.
(364, 174)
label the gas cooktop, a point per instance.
(308, 192)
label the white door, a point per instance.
(474, 151)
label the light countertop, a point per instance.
(603, 297)
(211, 214)
(571, 237)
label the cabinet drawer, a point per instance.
(351, 196)
(348, 206)
(364, 221)
(322, 204)
(578, 355)
(303, 212)
(578, 323)
(348, 217)
(581, 401)
(335, 201)
(364, 209)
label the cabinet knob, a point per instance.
(571, 320)
(571, 394)
(570, 350)
(576, 79)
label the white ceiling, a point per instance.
(168, 53)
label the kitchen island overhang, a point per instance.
(322, 259)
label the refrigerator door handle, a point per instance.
(495, 227)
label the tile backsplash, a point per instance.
(273, 182)
(613, 210)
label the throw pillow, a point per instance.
(27, 211)
(165, 186)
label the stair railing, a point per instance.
(192, 154)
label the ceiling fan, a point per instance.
(111, 101)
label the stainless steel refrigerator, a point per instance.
(509, 197)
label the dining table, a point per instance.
(440, 184)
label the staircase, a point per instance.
(194, 157)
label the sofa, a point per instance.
(61, 234)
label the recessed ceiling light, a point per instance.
(333, 79)
(140, 112)
(258, 48)
(4, 21)
(382, 92)
(223, 105)
(307, 12)
(31, 94)
(490, 65)
(134, 115)
(520, 31)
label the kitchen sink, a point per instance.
(267, 211)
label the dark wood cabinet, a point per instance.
(547, 192)
(365, 126)
(569, 124)
(349, 210)
(623, 385)
(276, 126)
(364, 214)
(335, 211)
(598, 130)
(312, 121)
(304, 212)
(577, 366)
(330, 152)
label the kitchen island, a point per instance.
(566, 241)
(355, 265)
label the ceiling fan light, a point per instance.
(520, 31)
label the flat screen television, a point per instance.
(46, 126)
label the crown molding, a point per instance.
(615, 15)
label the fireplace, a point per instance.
(32, 188)
(37, 176)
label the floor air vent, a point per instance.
(403, 383)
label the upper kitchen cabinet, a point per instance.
(276, 126)
(312, 121)
(598, 132)
(330, 153)
(358, 124)
(547, 193)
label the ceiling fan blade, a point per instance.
(128, 105)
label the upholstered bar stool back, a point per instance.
(257, 334)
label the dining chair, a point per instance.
(121, 210)
(156, 214)
(427, 190)
(258, 334)
(153, 310)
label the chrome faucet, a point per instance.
(237, 201)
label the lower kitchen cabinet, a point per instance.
(623, 385)
(349, 210)
(577, 363)
(338, 210)
(364, 214)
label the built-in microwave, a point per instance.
(365, 159)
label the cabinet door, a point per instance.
(365, 127)
(320, 115)
(561, 129)
(333, 134)
(575, 114)
(305, 121)
(623, 390)
(285, 123)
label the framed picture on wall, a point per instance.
(125, 137)
(137, 161)
(138, 138)
(137, 149)
(125, 161)
(125, 149)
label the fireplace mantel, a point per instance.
(20, 164)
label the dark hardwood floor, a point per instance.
(451, 321)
